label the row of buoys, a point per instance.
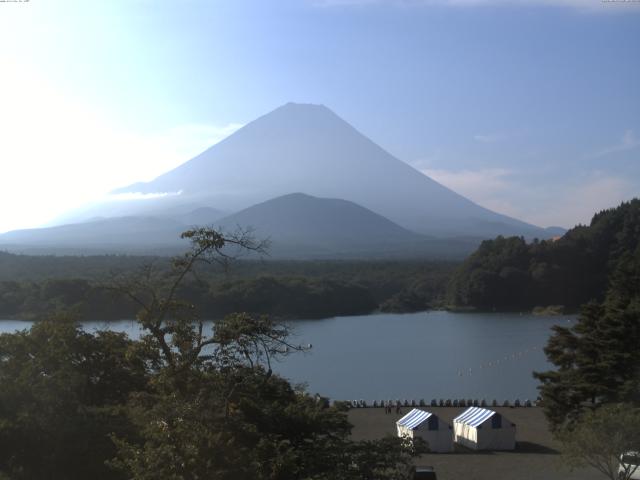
(285, 349)
(496, 362)
(441, 403)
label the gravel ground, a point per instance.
(536, 456)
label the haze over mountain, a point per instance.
(370, 202)
(307, 148)
(297, 225)
(300, 225)
(102, 235)
(298, 217)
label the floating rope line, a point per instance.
(462, 372)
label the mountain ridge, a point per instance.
(358, 199)
(308, 148)
(299, 226)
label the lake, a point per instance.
(426, 355)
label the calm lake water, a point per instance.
(409, 356)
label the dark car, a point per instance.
(424, 473)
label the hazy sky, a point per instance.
(530, 107)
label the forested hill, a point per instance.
(31, 287)
(511, 274)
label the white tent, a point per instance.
(483, 429)
(426, 425)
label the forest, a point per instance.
(504, 274)
(183, 402)
(511, 274)
(33, 286)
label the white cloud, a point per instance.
(490, 187)
(515, 194)
(57, 154)
(141, 196)
(577, 203)
(628, 142)
(473, 183)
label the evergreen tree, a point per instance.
(598, 360)
(511, 274)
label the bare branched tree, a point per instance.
(175, 327)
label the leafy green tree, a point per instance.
(180, 403)
(388, 458)
(602, 438)
(61, 398)
(214, 408)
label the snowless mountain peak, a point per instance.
(309, 148)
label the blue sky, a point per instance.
(530, 108)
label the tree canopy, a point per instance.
(180, 403)
(597, 360)
(511, 274)
(282, 289)
(603, 439)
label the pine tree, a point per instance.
(598, 360)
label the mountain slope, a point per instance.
(308, 148)
(120, 234)
(322, 223)
(302, 226)
(299, 227)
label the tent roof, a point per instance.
(474, 416)
(414, 418)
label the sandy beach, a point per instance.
(537, 456)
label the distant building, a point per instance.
(483, 429)
(426, 425)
